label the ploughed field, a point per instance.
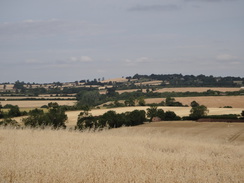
(181, 151)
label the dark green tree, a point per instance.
(170, 116)
(198, 112)
(194, 104)
(136, 117)
(14, 111)
(242, 113)
(89, 98)
(55, 117)
(130, 101)
(151, 112)
(161, 114)
(141, 101)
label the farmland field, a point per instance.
(186, 89)
(209, 101)
(40, 97)
(197, 89)
(180, 111)
(154, 152)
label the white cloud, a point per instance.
(225, 57)
(155, 7)
(43, 28)
(32, 61)
(142, 60)
(131, 62)
(81, 59)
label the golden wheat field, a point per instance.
(155, 152)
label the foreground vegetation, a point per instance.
(121, 155)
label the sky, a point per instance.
(69, 40)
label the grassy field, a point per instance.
(155, 152)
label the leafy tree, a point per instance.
(85, 122)
(141, 101)
(14, 111)
(136, 117)
(242, 113)
(151, 112)
(9, 122)
(89, 98)
(170, 115)
(111, 119)
(111, 92)
(194, 104)
(198, 112)
(1, 114)
(169, 101)
(55, 117)
(161, 114)
(130, 102)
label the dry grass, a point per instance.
(38, 103)
(209, 101)
(138, 154)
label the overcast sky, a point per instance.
(68, 40)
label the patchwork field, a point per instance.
(156, 152)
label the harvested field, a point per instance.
(38, 103)
(180, 111)
(156, 152)
(197, 89)
(209, 101)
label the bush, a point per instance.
(9, 122)
(14, 111)
(110, 119)
(198, 112)
(171, 116)
(55, 117)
